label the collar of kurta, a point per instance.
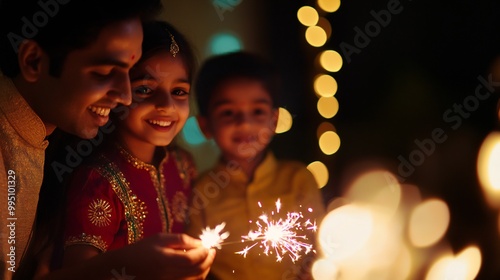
(265, 169)
(20, 115)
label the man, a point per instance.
(65, 64)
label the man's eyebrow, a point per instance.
(109, 61)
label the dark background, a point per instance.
(395, 91)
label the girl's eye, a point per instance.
(142, 91)
(180, 92)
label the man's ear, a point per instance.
(203, 124)
(30, 60)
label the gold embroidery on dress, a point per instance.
(137, 163)
(87, 239)
(99, 213)
(135, 209)
(179, 207)
(185, 167)
(161, 197)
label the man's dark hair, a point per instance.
(61, 26)
(219, 69)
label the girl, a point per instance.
(136, 185)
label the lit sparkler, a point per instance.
(212, 238)
(280, 236)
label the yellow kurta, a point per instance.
(224, 194)
(22, 152)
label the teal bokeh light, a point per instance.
(224, 43)
(191, 132)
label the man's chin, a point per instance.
(83, 132)
(88, 133)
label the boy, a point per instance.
(65, 64)
(237, 95)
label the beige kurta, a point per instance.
(22, 151)
(225, 194)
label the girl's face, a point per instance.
(160, 101)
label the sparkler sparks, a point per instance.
(212, 238)
(280, 237)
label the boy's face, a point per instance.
(241, 119)
(92, 82)
(160, 109)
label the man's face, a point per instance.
(93, 81)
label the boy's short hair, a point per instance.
(61, 26)
(219, 69)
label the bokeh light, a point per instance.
(316, 36)
(472, 256)
(324, 269)
(428, 222)
(465, 265)
(361, 243)
(325, 85)
(224, 43)
(447, 267)
(191, 132)
(320, 172)
(329, 6)
(488, 166)
(403, 264)
(285, 121)
(379, 188)
(328, 107)
(364, 234)
(344, 231)
(330, 60)
(329, 142)
(308, 16)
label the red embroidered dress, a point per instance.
(117, 199)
